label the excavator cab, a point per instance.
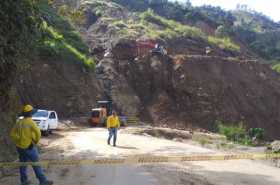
(99, 115)
(159, 50)
(147, 46)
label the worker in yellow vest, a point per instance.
(113, 123)
(26, 136)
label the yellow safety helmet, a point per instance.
(27, 108)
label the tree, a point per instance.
(223, 31)
(188, 4)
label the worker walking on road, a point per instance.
(113, 123)
(26, 136)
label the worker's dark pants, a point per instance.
(30, 155)
(112, 132)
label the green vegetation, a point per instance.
(224, 43)
(19, 24)
(238, 133)
(157, 27)
(276, 67)
(99, 7)
(202, 140)
(257, 133)
(18, 32)
(233, 132)
(170, 28)
(75, 16)
(59, 39)
(253, 29)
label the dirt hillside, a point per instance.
(57, 85)
(198, 90)
(185, 88)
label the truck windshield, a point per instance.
(40, 114)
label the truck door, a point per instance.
(53, 122)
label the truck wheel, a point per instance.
(50, 132)
(46, 132)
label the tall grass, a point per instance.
(157, 27)
(169, 28)
(223, 43)
(59, 39)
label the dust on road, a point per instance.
(91, 143)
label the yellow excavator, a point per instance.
(99, 114)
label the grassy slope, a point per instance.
(150, 23)
(59, 39)
(257, 31)
(261, 34)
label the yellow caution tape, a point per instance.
(142, 159)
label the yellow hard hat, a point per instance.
(27, 108)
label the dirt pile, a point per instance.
(199, 91)
(195, 91)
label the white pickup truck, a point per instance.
(46, 121)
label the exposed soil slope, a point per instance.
(185, 88)
(196, 91)
(59, 85)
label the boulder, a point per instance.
(275, 146)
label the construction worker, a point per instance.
(26, 136)
(113, 123)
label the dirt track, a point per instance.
(91, 143)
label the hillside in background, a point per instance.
(186, 88)
(61, 69)
(255, 31)
(66, 54)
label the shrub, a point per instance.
(233, 132)
(239, 134)
(256, 133)
(276, 67)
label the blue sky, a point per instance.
(270, 8)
